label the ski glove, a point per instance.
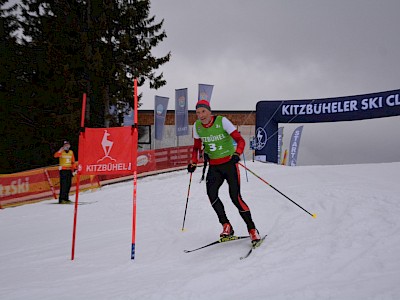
(191, 168)
(235, 158)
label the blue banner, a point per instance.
(205, 92)
(294, 146)
(181, 112)
(360, 107)
(160, 111)
(280, 143)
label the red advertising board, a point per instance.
(146, 161)
(23, 185)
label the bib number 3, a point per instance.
(214, 147)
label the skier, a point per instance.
(67, 170)
(218, 134)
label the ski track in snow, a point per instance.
(350, 251)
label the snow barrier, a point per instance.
(44, 183)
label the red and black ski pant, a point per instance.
(216, 176)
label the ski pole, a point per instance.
(312, 215)
(187, 200)
(244, 160)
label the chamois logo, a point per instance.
(107, 146)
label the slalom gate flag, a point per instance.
(106, 151)
(280, 142)
(160, 111)
(181, 112)
(294, 145)
(205, 92)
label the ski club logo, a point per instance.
(203, 96)
(107, 146)
(182, 102)
(159, 109)
(261, 138)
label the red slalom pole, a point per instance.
(77, 183)
(312, 215)
(75, 216)
(134, 160)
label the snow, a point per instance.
(350, 251)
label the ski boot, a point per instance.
(255, 237)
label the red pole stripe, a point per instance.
(134, 164)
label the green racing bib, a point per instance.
(217, 142)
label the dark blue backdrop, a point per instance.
(349, 108)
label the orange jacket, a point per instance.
(66, 160)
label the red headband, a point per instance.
(203, 103)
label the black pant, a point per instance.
(216, 176)
(65, 184)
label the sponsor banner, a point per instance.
(106, 151)
(181, 112)
(280, 142)
(20, 185)
(294, 146)
(205, 92)
(41, 184)
(350, 108)
(160, 111)
(173, 157)
(85, 181)
(146, 161)
(35, 185)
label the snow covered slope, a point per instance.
(350, 251)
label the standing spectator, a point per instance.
(67, 167)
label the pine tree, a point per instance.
(66, 48)
(122, 41)
(22, 112)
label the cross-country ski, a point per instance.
(219, 241)
(254, 246)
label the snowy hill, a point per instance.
(350, 251)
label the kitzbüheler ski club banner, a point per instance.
(349, 108)
(160, 111)
(205, 92)
(181, 112)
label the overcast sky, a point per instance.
(286, 50)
